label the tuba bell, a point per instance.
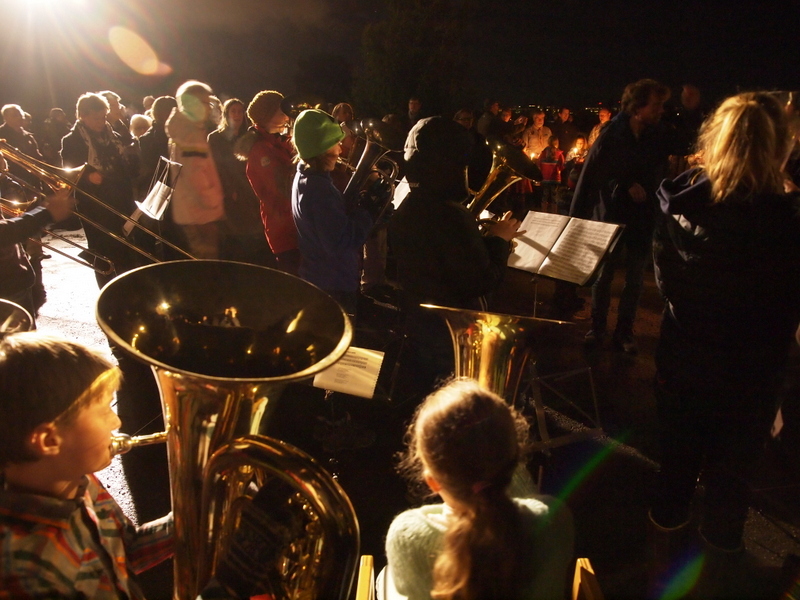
(491, 348)
(223, 340)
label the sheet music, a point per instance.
(541, 232)
(356, 373)
(576, 254)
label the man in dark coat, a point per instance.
(618, 185)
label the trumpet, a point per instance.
(13, 318)
(56, 178)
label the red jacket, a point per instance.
(271, 171)
(551, 161)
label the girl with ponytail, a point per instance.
(483, 542)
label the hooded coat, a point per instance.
(197, 197)
(730, 274)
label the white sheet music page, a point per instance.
(578, 251)
(356, 373)
(541, 232)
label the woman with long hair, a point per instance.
(727, 256)
(244, 239)
(467, 444)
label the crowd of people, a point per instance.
(254, 184)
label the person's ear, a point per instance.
(45, 440)
(432, 483)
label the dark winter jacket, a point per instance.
(616, 161)
(441, 256)
(730, 273)
(16, 273)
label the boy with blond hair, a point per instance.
(62, 533)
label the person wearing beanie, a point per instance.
(270, 170)
(197, 200)
(442, 257)
(330, 237)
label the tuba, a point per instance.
(509, 165)
(223, 340)
(491, 348)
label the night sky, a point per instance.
(573, 52)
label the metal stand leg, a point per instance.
(535, 386)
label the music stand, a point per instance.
(159, 195)
(535, 384)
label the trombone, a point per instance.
(56, 178)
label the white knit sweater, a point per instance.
(415, 538)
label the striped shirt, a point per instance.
(79, 548)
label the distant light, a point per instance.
(135, 52)
(38, 6)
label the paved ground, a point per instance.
(605, 480)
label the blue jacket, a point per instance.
(329, 237)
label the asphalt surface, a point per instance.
(605, 479)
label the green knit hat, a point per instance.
(315, 132)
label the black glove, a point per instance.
(375, 197)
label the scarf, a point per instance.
(105, 148)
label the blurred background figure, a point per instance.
(139, 125)
(244, 238)
(604, 115)
(198, 201)
(109, 177)
(55, 127)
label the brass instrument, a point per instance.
(13, 318)
(491, 348)
(13, 208)
(223, 340)
(293, 105)
(56, 178)
(509, 165)
(381, 139)
(358, 131)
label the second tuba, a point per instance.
(491, 348)
(223, 340)
(509, 165)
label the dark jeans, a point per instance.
(721, 433)
(637, 252)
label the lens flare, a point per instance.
(135, 52)
(682, 582)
